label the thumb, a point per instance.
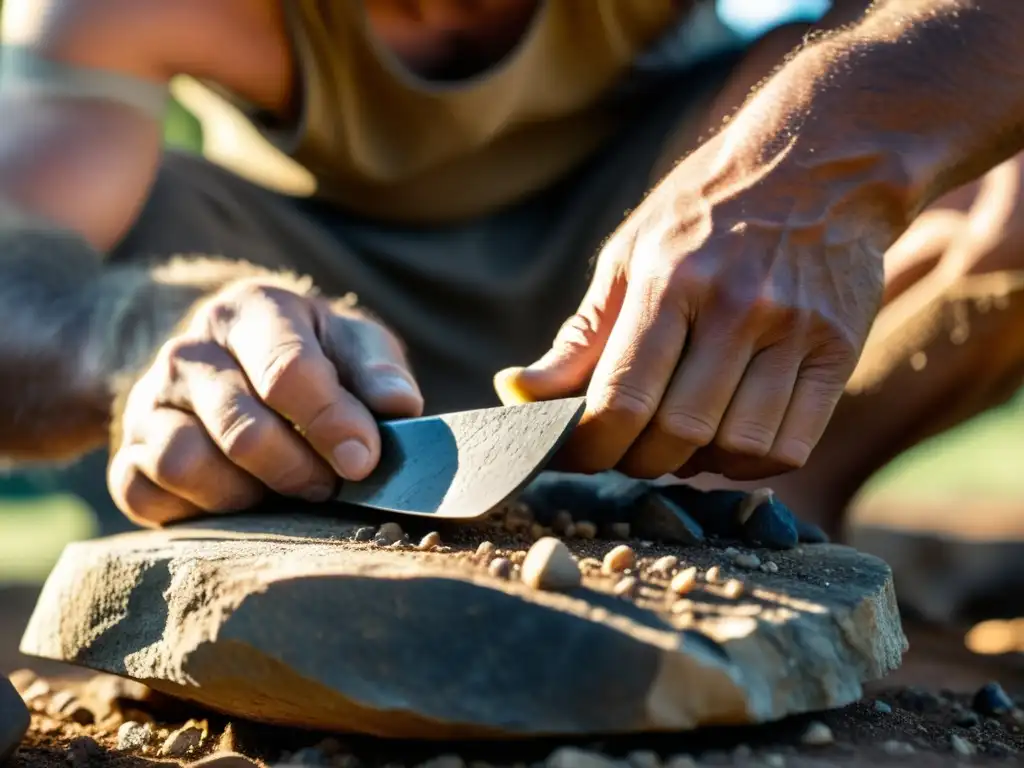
(565, 368)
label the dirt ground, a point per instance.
(910, 718)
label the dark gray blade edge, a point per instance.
(461, 465)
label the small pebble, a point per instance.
(817, 735)
(364, 534)
(664, 566)
(133, 736)
(769, 566)
(586, 529)
(731, 551)
(82, 751)
(618, 559)
(773, 760)
(680, 761)
(991, 700)
(882, 707)
(431, 541)
(626, 587)
(561, 521)
(714, 573)
(962, 746)
(897, 748)
(573, 757)
(538, 531)
(308, 756)
(743, 751)
(550, 565)
(517, 557)
(733, 589)
(684, 581)
(643, 758)
(390, 532)
(187, 739)
(966, 719)
(569, 532)
(747, 560)
(620, 530)
(500, 568)
(486, 550)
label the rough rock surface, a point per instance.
(290, 620)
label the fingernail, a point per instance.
(507, 384)
(395, 385)
(352, 460)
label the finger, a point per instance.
(138, 497)
(373, 364)
(566, 367)
(247, 432)
(630, 379)
(277, 348)
(178, 456)
(694, 404)
(819, 386)
(759, 404)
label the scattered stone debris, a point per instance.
(733, 589)
(132, 736)
(389, 533)
(573, 757)
(962, 746)
(817, 734)
(684, 581)
(485, 551)
(618, 559)
(627, 586)
(664, 566)
(186, 740)
(364, 534)
(549, 565)
(500, 567)
(769, 566)
(429, 542)
(14, 719)
(898, 748)
(991, 701)
(747, 560)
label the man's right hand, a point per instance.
(264, 389)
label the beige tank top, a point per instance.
(381, 142)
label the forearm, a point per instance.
(71, 331)
(930, 92)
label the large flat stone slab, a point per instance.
(292, 620)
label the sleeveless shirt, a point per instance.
(383, 143)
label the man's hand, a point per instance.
(264, 389)
(729, 310)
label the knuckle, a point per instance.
(793, 455)
(627, 404)
(179, 460)
(288, 364)
(747, 438)
(242, 435)
(578, 331)
(687, 426)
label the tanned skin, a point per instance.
(760, 253)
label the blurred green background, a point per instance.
(980, 459)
